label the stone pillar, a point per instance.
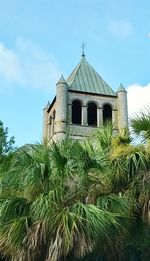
(52, 127)
(122, 108)
(61, 109)
(99, 117)
(69, 113)
(53, 122)
(114, 118)
(84, 115)
(49, 125)
(45, 122)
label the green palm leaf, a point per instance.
(140, 124)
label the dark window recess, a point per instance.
(76, 112)
(107, 113)
(54, 114)
(92, 114)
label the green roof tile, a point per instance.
(85, 79)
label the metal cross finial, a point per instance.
(82, 46)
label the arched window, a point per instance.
(50, 119)
(92, 114)
(50, 126)
(54, 114)
(76, 112)
(107, 113)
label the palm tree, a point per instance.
(130, 176)
(57, 201)
(140, 124)
(139, 185)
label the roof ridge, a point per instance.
(75, 70)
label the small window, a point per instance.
(92, 114)
(107, 113)
(76, 112)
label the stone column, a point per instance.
(114, 118)
(50, 128)
(45, 121)
(84, 115)
(61, 109)
(122, 108)
(53, 120)
(69, 113)
(99, 117)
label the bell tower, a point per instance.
(83, 103)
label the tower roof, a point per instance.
(121, 88)
(47, 106)
(61, 80)
(85, 79)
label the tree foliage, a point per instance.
(6, 144)
(6, 148)
(55, 203)
(140, 124)
(77, 201)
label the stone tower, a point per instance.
(83, 103)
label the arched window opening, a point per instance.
(92, 114)
(50, 119)
(50, 126)
(76, 112)
(107, 113)
(54, 114)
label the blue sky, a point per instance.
(41, 39)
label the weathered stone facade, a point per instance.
(78, 112)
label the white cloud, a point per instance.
(138, 98)
(120, 29)
(9, 64)
(28, 65)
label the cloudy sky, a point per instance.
(41, 39)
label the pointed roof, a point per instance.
(61, 80)
(121, 88)
(47, 106)
(85, 79)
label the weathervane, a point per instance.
(83, 46)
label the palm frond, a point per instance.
(140, 124)
(116, 204)
(140, 190)
(11, 208)
(12, 235)
(104, 136)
